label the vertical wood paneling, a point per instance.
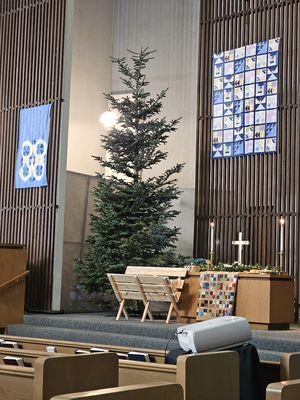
(31, 58)
(250, 193)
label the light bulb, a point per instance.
(108, 119)
(281, 221)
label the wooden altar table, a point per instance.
(265, 299)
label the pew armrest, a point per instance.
(157, 391)
(290, 366)
(285, 390)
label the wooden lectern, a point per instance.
(13, 259)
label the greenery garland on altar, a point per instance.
(201, 264)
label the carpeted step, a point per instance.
(266, 355)
(103, 323)
(91, 336)
(276, 343)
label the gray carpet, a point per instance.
(104, 329)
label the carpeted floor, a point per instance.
(104, 329)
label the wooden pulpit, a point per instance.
(13, 259)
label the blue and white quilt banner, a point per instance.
(31, 162)
(245, 100)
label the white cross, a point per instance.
(240, 243)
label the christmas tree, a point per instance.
(131, 220)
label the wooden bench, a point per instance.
(157, 391)
(58, 375)
(148, 284)
(222, 366)
(287, 390)
(132, 372)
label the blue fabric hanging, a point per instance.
(31, 162)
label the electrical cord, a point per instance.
(171, 338)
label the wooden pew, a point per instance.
(58, 375)
(157, 391)
(132, 372)
(223, 366)
(288, 368)
(286, 390)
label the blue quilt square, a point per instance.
(238, 134)
(228, 108)
(262, 47)
(271, 130)
(228, 81)
(239, 66)
(238, 106)
(218, 97)
(238, 148)
(260, 103)
(217, 151)
(272, 73)
(218, 58)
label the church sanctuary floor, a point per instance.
(104, 329)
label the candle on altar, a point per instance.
(212, 230)
(281, 242)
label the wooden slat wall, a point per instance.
(31, 57)
(249, 194)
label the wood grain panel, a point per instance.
(31, 57)
(251, 193)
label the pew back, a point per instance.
(16, 383)
(287, 390)
(157, 391)
(60, 375)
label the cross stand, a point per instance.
(240, 243)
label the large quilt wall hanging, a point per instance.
(245, 100)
